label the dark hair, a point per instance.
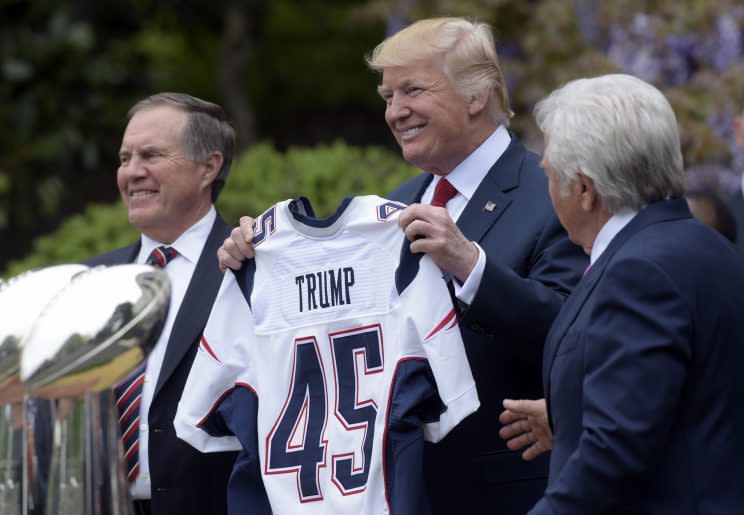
(724, 223)
(207, 130)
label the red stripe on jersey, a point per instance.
(207, 348)
(387, 481)
(453, 324)
(446, 320)
(216, 405)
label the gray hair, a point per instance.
(469, 53)
(620, 132)
(207, 130)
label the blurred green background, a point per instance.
(292, 77)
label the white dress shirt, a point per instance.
(609, 230)
(466, 177)
(180, 270)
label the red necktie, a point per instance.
(443, 193)
(129, 391)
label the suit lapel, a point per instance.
(197, 303)
(565, 318)
(119, 256)
(476, 219)
(421, 182)
(489, 200)
(128, 254)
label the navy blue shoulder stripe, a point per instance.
(407, 267)
(245, 277)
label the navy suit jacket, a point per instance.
(184, 481)
(736, 203)
(642, 375)
(530, 268)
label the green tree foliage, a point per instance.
(99, 228)
(286, 70)
(66, 83)
(324, 174)
(259, 178)
(292, 71)
(307, 77)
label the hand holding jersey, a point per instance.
(237, 247)
(431, 230)
(333, 315)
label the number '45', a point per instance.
(302, 450)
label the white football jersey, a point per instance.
(328, 360)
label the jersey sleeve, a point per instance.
(434, 316)
(218, 369)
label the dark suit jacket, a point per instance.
(184, 481)
(736, 203)
(530, 267)
(643, 375)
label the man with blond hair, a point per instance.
(481, 210)
(498, 237)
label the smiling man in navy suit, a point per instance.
(492, 230)
(498, 238)
(174, 159)
(642, 366)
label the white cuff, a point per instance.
(466, 291)
(456, 411)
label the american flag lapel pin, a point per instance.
(490, 206)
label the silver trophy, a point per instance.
(87, 339)
(22, 299)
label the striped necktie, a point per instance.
(129, 391)
(161, 256)
(128, 397)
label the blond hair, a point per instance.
(470, 59)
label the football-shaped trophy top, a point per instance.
(95, 331)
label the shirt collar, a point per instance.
(609, 230)
(190, 243)
(467, 176)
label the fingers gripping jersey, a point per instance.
(328, 360)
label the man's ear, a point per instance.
(478, 102)
(587, 194)
(211, 167)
